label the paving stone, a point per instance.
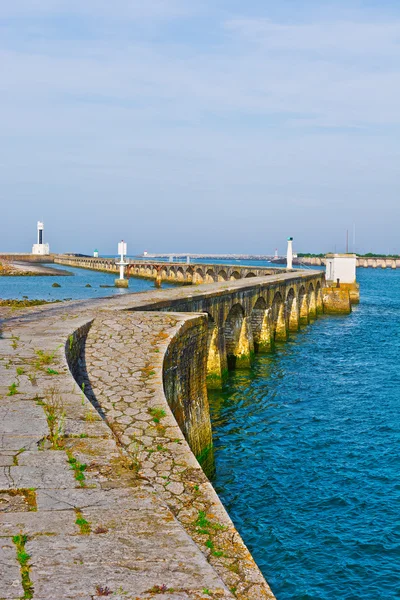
(39, 523)
(10, 578)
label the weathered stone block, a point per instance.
(336, 301)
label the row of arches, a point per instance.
(233, 340)
(189, 274)
(193, 274)
(382, 263)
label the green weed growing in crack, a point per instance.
(78, 468)
(55, 415)
(83, 393)
(27, 494)
(32, 378)
(204, 524)
(20, 371)
(157, 414)
(45, 358)
(13, 389)
(134, 450)
(15, 457)
(121, 592)
(15, 340)
(23, 558)
(83, 525)
(51, 371)
(206, 527)
(160, 589)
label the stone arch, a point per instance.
(222, 275)
(210, 276)
(235, 275)
(180, 275)
(189, 274)
(261, 326)
(250, 275)
(292, 311)
(198, 276)
(238, 338)
(312, 303)
(278, 318)
(303, 306)
(217, 366)
(318, 298)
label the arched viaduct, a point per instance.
(172, 272)
(250, 317)
(378, 262)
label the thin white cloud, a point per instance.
(294, 115)
(337, 38)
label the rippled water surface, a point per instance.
(72, 286)
(307, 453)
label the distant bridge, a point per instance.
(377, 262)
(177, 272)
(183, 255)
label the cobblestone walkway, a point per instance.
(130, 393)
(76, 520)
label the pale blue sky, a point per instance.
(200, 126)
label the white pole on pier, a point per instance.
(289, 255)
(122, 251)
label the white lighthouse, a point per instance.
(40, 247)
(289, 254)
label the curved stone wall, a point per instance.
(136, 495)
(138, 412)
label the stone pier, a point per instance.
(105, 428)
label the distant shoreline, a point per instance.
(26, 269)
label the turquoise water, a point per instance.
(307, 453)
(72, 287)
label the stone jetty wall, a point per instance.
(33, 258)
(101, 485)
(185, 386)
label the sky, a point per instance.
(216, 126)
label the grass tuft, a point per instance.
(78, 468)
(23, 558)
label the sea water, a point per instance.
(72, 286)
(307, 453)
